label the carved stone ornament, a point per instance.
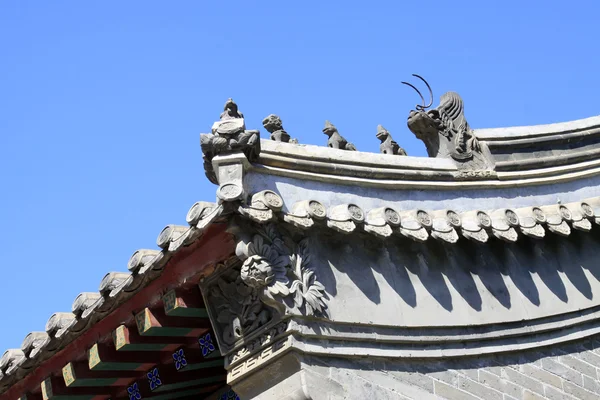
(388, 144)
(237, 308)
(263, 206)
(229, 134)
(336, 141)
(258, 342)
(273, 125)
(445, 130)
(275, 278)
(587, 210)
(281, 270)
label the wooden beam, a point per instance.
(126, 339)
(187, 359)
(55, 389)
(31, 396)
(226, 392)
(157, 323)
(184, 304)
(102, 357)
(164, 380)
(187, 393)
(175, 380)
(78, 374)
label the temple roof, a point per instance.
(506, 183)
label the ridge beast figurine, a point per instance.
(445, 130)
(336, 141)
(388, 145)
(228, 134)
(274, 126)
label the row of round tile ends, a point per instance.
(419, 225)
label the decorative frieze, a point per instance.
(268, 354)
(253, 345)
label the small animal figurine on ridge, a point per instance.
(273, 125)
(388, 145)
(336, 141)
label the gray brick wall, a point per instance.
(568, 371)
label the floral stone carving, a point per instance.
(229, 134)
(281, 271)
(276, 277)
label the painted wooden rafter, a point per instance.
(126, 339)
(184, 304)
(157, 323)
(104, 357)
(78, 374)
(54, 388)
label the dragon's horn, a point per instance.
(430, 91)
(420, 95)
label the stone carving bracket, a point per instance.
(276, 278)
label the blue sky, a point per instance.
(102, 104)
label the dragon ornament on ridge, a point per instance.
(445, 130)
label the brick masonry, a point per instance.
(569, 371)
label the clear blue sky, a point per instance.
(102, 104)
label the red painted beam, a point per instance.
(31, 396)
